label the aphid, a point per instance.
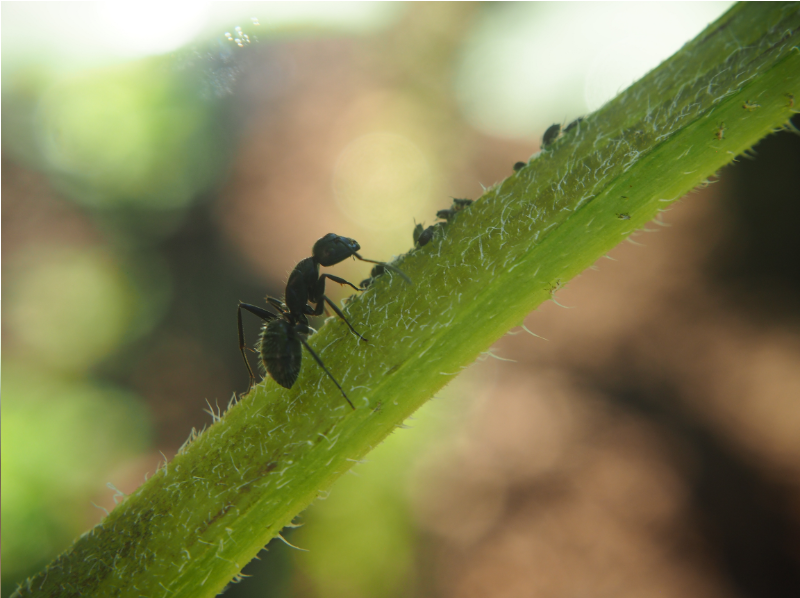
(376, 271)
(720, 134)
(427, 235)
(519, 166)
(573, 124)
(446, 214)
(283, 334)
(418, 230)
(460, 204)
(551, 134)
(750, 106)
(624, 216)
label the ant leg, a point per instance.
(242, 346)
(385, 265)
(320, 299)
(341, 281)
(321, 306)
(319, 362)
(276, 303)
(261, 313)
(268, 316)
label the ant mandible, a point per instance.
(283, 335)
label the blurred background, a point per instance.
(160, 163)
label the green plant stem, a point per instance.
(202, 517)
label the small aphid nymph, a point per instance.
(460, 204)
(418, 229)
(427, 235)
(573, 124)
(551, 134)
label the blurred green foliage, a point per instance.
(59, 435)
(139, 134)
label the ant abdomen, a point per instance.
(281, 352)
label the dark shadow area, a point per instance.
(757, 258)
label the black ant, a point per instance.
(283, 334)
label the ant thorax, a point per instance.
(300, 286)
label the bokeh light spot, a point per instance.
(71, 309)
(129, 135)
(380, 180)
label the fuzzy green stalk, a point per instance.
(191, 528)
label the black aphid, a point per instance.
(460, 204)
(418, 230)
(446, 214)
(573, 124)
(284, 333)
(427, 235)
(519, 166)
(551, 134)
(376, 271)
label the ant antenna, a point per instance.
(385, 265)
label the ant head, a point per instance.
(332, 249)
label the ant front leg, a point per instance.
(261, 313)
(320, 299)
(341, 281)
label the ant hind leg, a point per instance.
(321, 307)
(261, 313)
(322, 365)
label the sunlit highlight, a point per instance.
(136, 28)
(532, 64)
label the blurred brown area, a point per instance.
(650, 446)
